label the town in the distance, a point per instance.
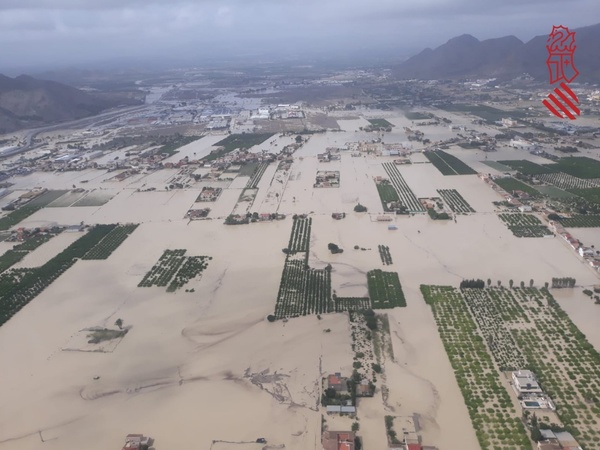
(296, 256)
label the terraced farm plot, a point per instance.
(527, 167)
(385, 290)
(407, 196)
(511, 185)
(496, 421)
(111, 242)
(257, 175)
(29, 209)
(566, 181)
(581, 221)
(19, 286)
(524, 225)
(455, 201)
(591, 195)
(578, 166)
(300, 237)
(448, 164)
(343, 304)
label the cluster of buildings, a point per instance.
(331, 154)
(587, 253)
(529, 392)
(560, 440)
(327, 178)
(137, 442)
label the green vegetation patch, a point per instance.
(300, 236)
(387, 194)
(21, 286)
(385, 255)
(487, 113)
(510, 185)
(235, 141)
(407, 196)
(18, 252)
(174, 270)
(455, 201)
(302, 289)
(385, 290)
(581, 221)
(380, 123)
(175, 143)
(29, 209)
(190, 269)
(527, 167)
(525, 225)
(577, 166)
(256, 175)
(497, 423)
(111, 242)
(591, 195)
(413, 115)
(448, 164)
(554, 192)
(498, 166)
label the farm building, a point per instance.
(337, 382)
(525, 382)
(338, 409)
(338, 440)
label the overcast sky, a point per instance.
(54, 33)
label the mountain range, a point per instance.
(505, 57)
(26, 102)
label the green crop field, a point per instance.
(512, 184)
(591, 195)
(111, 242)
(416, 116)
(19, 287)
(525, 225)
(380, 123)
(235, 141)
(581, 221)
(28, 209)
(448, 164)
(577, 166)
(385, 290)
(526, 167)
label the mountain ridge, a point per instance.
(503, 57)
(27, 102)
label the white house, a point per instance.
(526, 383)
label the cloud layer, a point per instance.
(55, 32)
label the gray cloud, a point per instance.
(58, 32)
